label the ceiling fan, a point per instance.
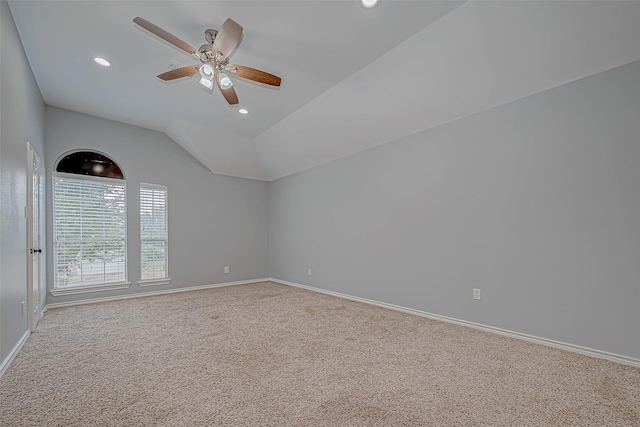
(214, 57)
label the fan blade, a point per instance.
(165, 35)
(228, 93)
(180, 72)
(253, 74)
(228, 38)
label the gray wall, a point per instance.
(214, 220)
(536, 203)
(21, 120)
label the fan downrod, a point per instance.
(210, 35)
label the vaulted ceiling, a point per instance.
(351, 78)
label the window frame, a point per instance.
(91, 287)
(156, 281)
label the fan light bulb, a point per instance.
(206, 71)
(206, 83)
(225, 81)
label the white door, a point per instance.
(34, 248)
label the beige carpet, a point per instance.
(271, 355)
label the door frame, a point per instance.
(34, 290)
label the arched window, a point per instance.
(89, 163)
(89, 223)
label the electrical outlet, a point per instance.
(309, 272)
(226, 269)
(476, 294)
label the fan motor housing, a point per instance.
(206, 50)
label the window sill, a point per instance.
(154, 282)
(97, 288)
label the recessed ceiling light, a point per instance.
(243, 111)
(101, 61)
(369, 4)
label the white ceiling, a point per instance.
(351, 78)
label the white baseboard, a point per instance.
(5, 363)
(504, 332)
(149, 294)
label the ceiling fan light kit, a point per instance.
(206, 83)
(224, 80)
(214, 57)
(206, 71)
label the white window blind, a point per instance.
(89, 221)
(153, 232)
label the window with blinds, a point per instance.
(89, 222)
(153, 232)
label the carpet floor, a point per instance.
(271, 355)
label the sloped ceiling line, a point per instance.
(352, 78)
